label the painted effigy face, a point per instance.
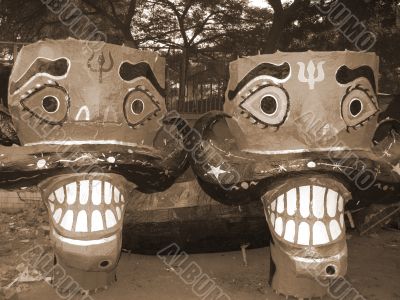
(90, 126)
(297, 133)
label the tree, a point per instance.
(186, 25)
(283, 16)
(36, 21)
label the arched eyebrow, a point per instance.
(42, 66)
(129, 71)
(277, 71)
(345, 75)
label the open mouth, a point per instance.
(86, 206)
(307, 215)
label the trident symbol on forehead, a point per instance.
(311, 80)
(100, 61)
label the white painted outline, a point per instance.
(276, 103)
(84, 242)
(134, 100)
(42, 74)
(362, 107)
(83, 142)
(87, 113)
(300, 150)
(58, 104)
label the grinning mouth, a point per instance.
(86, 206)
(307, 215)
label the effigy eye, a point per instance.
(49, 103)
(140, 105)
(268, 105)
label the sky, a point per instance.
(259, 3)
(263, 3)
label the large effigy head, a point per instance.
(277, 100)
(112, 95)
(298, 132)
(90, 124)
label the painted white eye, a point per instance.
(50, 104)
(269, 105)
(355, 107)
(358, 106)
(137, 106)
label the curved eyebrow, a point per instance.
(345, 75)
(41, 65)
(278, 71)
(129, 71)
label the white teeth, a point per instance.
(290, 231)
(335, 229)
(320, 235)
(67, 220)
(341, 203)
(291, 200)
(60, 195)
(96, 192)
(303, 236)
(342, 220)
(81, 222)
(86, 219)
(308, 203)
(52, 197)
(272, 219)
(110, 219)
(279, 226)
(118, 213)
(116, 195)
(305, 195)
(318, 202)
(107, 192)
(97, 221)
(280, 204)
(71, 193)
(57, 215)
(331, 202)
(84, 192)
(273, 205)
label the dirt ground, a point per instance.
(374, 268)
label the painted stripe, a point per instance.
(82, 242)
(301, 150)
(83, 142)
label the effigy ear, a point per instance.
(8, 135)
(387, 134)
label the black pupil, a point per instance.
(355, 107)
(268, 105)
(137, 106)
(50, 104)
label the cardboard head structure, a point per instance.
(297, 132)
(90, 128)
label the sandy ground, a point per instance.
(374, 270)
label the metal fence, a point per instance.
(19, 199)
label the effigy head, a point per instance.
(297, 132)
(90, 124)
(272, 97)
(112, 96)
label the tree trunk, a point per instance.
(275, 33)
(128, 39)
(183, 75)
